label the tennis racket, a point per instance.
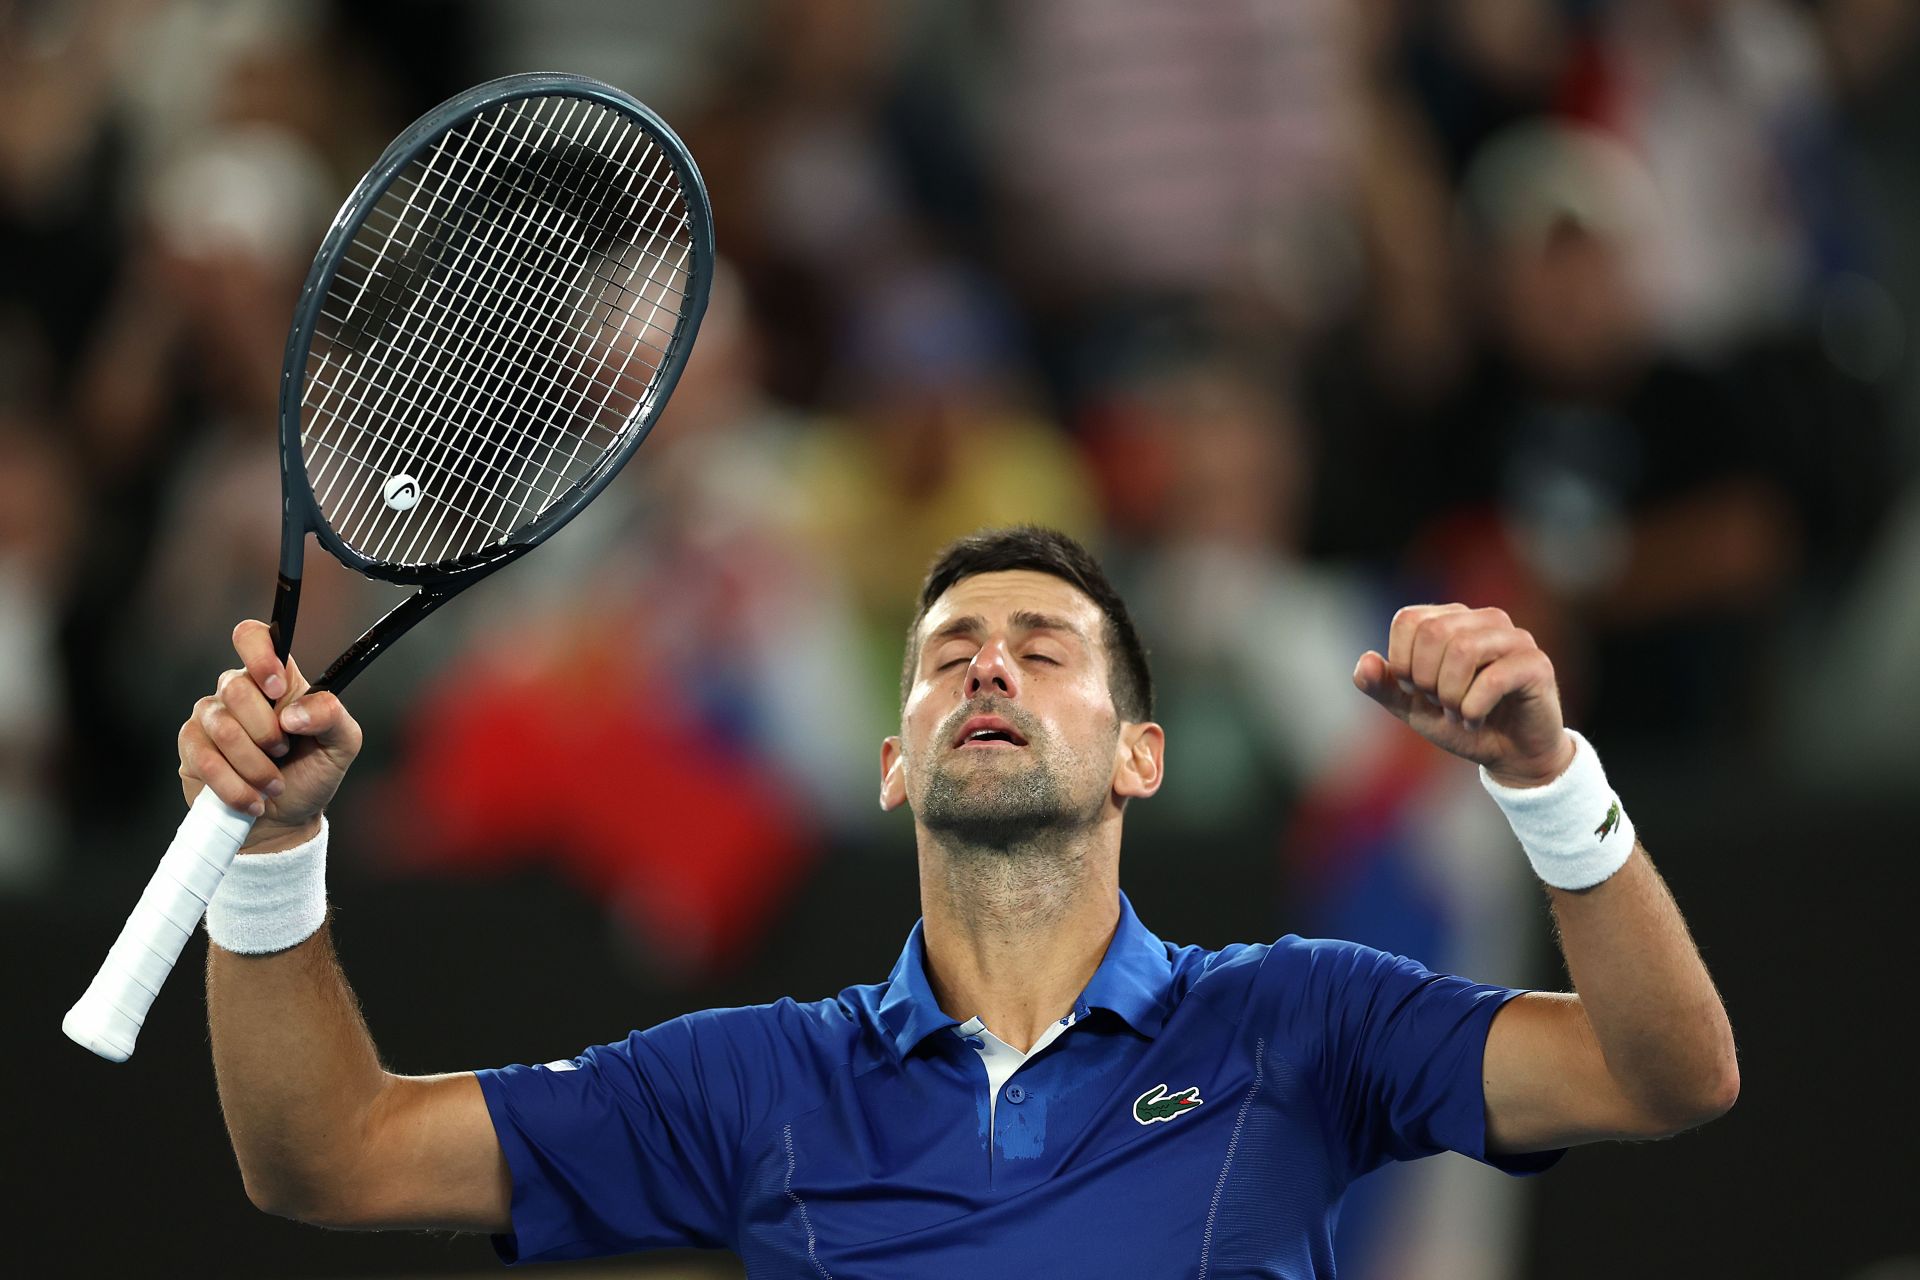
(491, 327)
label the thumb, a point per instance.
(1371, 677)
(320, 716)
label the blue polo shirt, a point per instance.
(1202, 1114)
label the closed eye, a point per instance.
(1032, 657)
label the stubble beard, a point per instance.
(1023, 806)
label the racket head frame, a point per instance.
(441, 581)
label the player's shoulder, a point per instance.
(1194, 966)
(1288, 973)
(1300, 964)
(1248, 962)
(1304, 952)
(1220, 979)
(786, 1020)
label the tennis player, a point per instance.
(1041, 1086)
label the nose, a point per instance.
(993, 671)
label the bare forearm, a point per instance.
(1647, 993)
(296, 1069)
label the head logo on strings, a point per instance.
(402, 492)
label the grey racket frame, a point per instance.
(440, 582)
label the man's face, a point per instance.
(1009, 726)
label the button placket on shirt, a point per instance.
(974, 1035)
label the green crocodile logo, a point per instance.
(1156, 1104)
(1611, 821)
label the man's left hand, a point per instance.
(1470, 681)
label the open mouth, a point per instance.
(988, 733)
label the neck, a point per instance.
(1014, 933)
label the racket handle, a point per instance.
(109, 1016)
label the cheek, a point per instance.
(921, 716)
(1087, 719)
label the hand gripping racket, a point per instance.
(492, 325)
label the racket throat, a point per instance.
(381, 635)
(286, 609)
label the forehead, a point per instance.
(996, 596)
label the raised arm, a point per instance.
(322, 1132)
(1642, 1048)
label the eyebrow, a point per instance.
(1021, 619)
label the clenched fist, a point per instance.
(280, 763)
(1470, 681)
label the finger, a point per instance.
(199, 758)
(1431, 638)
(239, 750)
(1524, 670)
(1371, 677)
(1400, 636)
(242, 697)
(253, 641)
(321, 716)
(1468, 650)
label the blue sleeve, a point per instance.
(631, 1145)
(1399, 1053)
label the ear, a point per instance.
(1140, 760)
(893, 774)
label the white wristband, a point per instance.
(1574, 829)
(271, 901)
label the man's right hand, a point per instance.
(266, 746)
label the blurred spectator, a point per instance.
(1205, 470)
(1631, 497)
(1183, 149)
(805, 174)
(1725, 101)
(942, 436)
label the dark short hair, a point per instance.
(1042, 550)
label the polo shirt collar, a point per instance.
(1135, 977)
(1134, 981)
(908, 1012)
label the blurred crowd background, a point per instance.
(1296, 310)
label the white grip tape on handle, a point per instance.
(108, 1017)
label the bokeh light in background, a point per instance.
(1297, 310)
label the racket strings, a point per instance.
(441, 348)
(587, 327)
(619, 285)
(446, 453)
(493, 196)
(479, 343)
(393, 443)
(566, 337)
(381, 212)
(609, 281)
(511, 279)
